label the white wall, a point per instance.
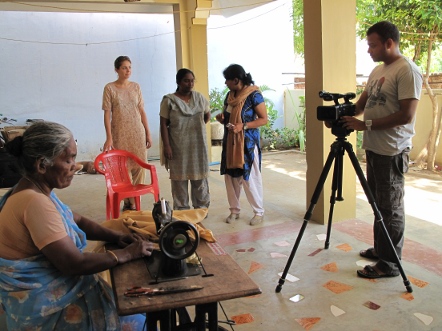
(55, 65)
(292, 106)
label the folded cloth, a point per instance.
(142, 222)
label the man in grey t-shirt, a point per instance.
(388, 104)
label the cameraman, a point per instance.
(388, 103)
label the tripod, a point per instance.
(336, 154)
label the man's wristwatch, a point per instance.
(245, 126)
(368, 124)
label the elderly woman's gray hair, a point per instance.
(45, 140)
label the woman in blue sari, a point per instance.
(47, 281)
(244, 112)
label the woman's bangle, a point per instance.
(114, 255)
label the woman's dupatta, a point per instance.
(235, 141)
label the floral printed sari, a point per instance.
(37, 296)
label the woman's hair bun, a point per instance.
(15, 146)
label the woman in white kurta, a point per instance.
(183, 118)
(125, 120)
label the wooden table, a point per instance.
(229, 281)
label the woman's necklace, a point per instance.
(36, 185)
(185, 97)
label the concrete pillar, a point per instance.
(190, 18)
(330, 64)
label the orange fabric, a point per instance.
(29, 221)
(235, 141)
(142, 222)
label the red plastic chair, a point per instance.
(113, 165)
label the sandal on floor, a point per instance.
(129, 207)
(369, 272)
(369, 253)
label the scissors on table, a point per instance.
(138, 291)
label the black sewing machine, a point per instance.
(178, 240)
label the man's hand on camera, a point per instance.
(328, 124)
(352, 123)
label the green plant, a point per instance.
(419, 23)
(290, 138)
(272, 115)
(275, 138)
(300, 118)
(217, 96)
(359, 139)
(216, 100)
(285, 137)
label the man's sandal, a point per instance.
(369, 272)
(369, 253)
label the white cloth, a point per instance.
(253, 189)
(387, 84)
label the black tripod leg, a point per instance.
(336, 189)
(377, 213)
(307, 216)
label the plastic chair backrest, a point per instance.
(113, 165)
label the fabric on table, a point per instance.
(142, 222)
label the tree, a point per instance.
(298, 26)
(420, 23)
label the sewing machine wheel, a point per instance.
(175, 241)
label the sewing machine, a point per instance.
(178, 240)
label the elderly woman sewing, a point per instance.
(46, 280)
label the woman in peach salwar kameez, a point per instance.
(125, 120)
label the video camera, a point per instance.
(335, 112)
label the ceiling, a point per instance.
(219, 7)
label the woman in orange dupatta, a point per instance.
(244, 112)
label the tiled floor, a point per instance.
(325, 293)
